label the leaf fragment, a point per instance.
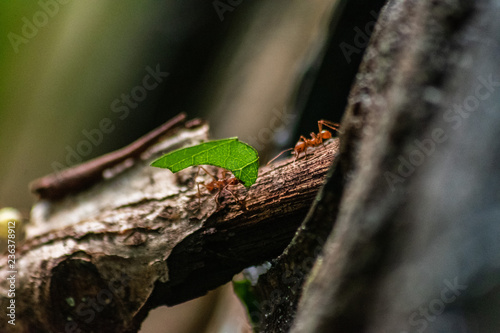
(231, 154)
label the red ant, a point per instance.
(219, 185)
(316, 139)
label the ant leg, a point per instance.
(306, 144)
(227, 189)
(207, 172)
(324, 134)
(199, 195)
(198, 188)
(279, 155)
(327, 123)
(200, 183)
(216, 198)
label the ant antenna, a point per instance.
(279, 155)
(330, 124)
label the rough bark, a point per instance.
(278, 291)
(413, 248)
(101, 259)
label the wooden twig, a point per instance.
(57, 185)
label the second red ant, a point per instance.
(219, 185)
(315, 140)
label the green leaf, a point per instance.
(231, 154)
(246, 293)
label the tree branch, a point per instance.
(101, 259)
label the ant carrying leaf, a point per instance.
(231, 154)
(225, 183)
(315, 140)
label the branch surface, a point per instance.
(101, 259)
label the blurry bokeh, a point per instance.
(68, 65)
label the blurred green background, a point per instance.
(60, 78)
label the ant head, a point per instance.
(300, 147)
(325, 135)
(234, 181)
